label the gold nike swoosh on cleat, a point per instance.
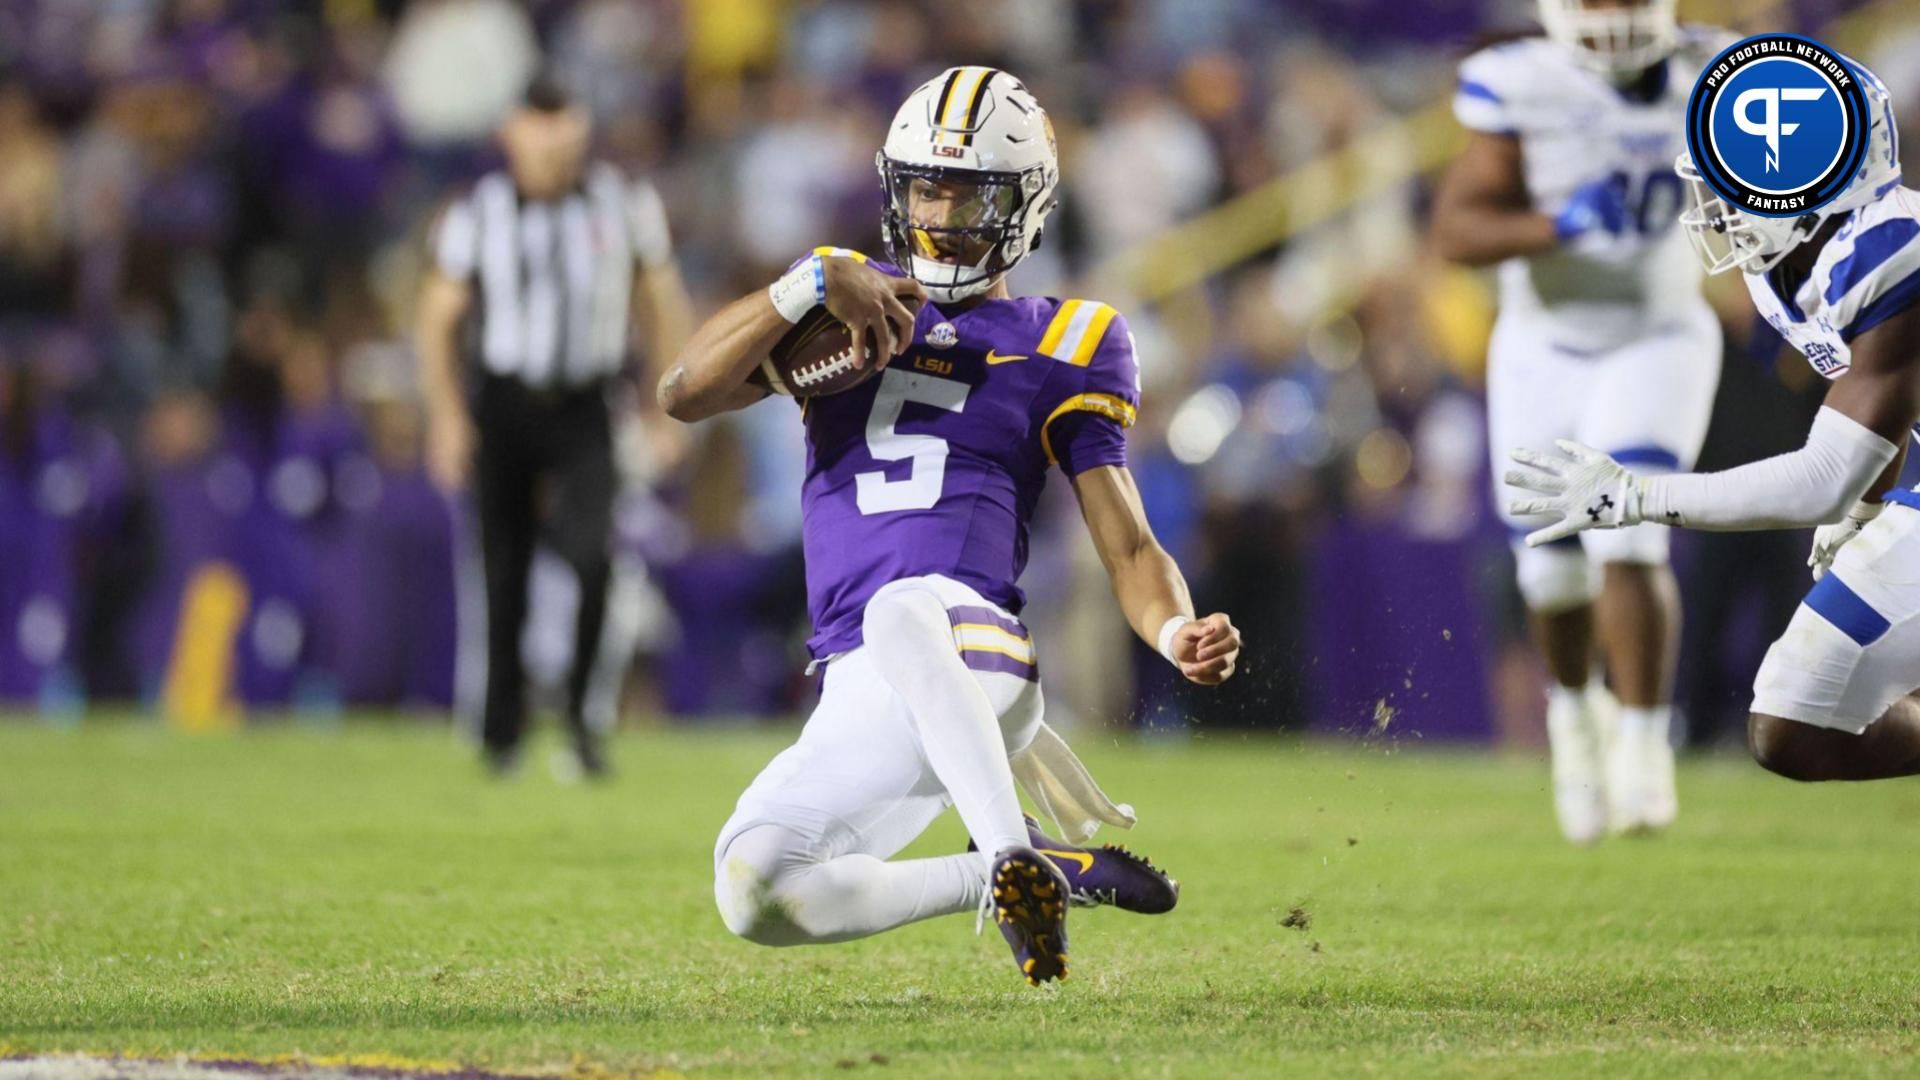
(1084, 858)
(1001, 358)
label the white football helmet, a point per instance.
(1727, 239)
(1618, 40)
(969, 170)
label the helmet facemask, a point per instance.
(1727, 239)
(1618, 41)
(957, 231)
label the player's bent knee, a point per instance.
(1784, 747)
(746, 886)
(1554, 578)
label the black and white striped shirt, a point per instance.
(554, 279)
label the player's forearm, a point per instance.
(1150, 589)
(1814, 485)
(1483, 234)
(709, 375)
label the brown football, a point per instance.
(814, 359)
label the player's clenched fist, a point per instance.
(1206, 650)
(864, 299)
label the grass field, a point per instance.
(366, 892)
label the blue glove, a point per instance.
(1600, 205)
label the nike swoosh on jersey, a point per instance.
(1000, 358)
(1084, 858)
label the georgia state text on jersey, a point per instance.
(1576, 129)
(935, 466)
(1867, 273)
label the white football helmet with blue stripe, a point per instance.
(1618, 40)
(1727, 239)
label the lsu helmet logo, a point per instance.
(1778, 125)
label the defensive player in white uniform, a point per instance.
(1831, 701)
(1567, 184)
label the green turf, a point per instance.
(367, 891)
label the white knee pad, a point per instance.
(1646, 544)
(747, 873)
(1554, 578)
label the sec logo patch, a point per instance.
(1778, 125)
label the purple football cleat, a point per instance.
(1106, 876)
(1030, 907)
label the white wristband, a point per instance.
(1167, 630)
(800, 289)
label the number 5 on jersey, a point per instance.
(920, 489)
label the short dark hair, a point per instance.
(549, 92)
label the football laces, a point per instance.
(822, 370)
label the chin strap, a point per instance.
(938, 277)
(940, 295)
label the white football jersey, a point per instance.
(1575, 129)
(1867, 273)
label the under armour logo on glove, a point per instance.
(1583, 489)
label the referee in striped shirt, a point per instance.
(526, 317)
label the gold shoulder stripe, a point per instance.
(1090, 338)
(847, 253)
(1113, 408)
(1050, 342)
(1076, 330)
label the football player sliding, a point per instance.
(1567, 184)
(1831, 701)
(920, 488)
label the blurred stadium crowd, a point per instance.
(211, 223)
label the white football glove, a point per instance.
(1584, 489)
(1829, 539)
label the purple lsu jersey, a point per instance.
(935, 466)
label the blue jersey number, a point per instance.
(1652, 200)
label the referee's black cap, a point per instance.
(550, 92)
